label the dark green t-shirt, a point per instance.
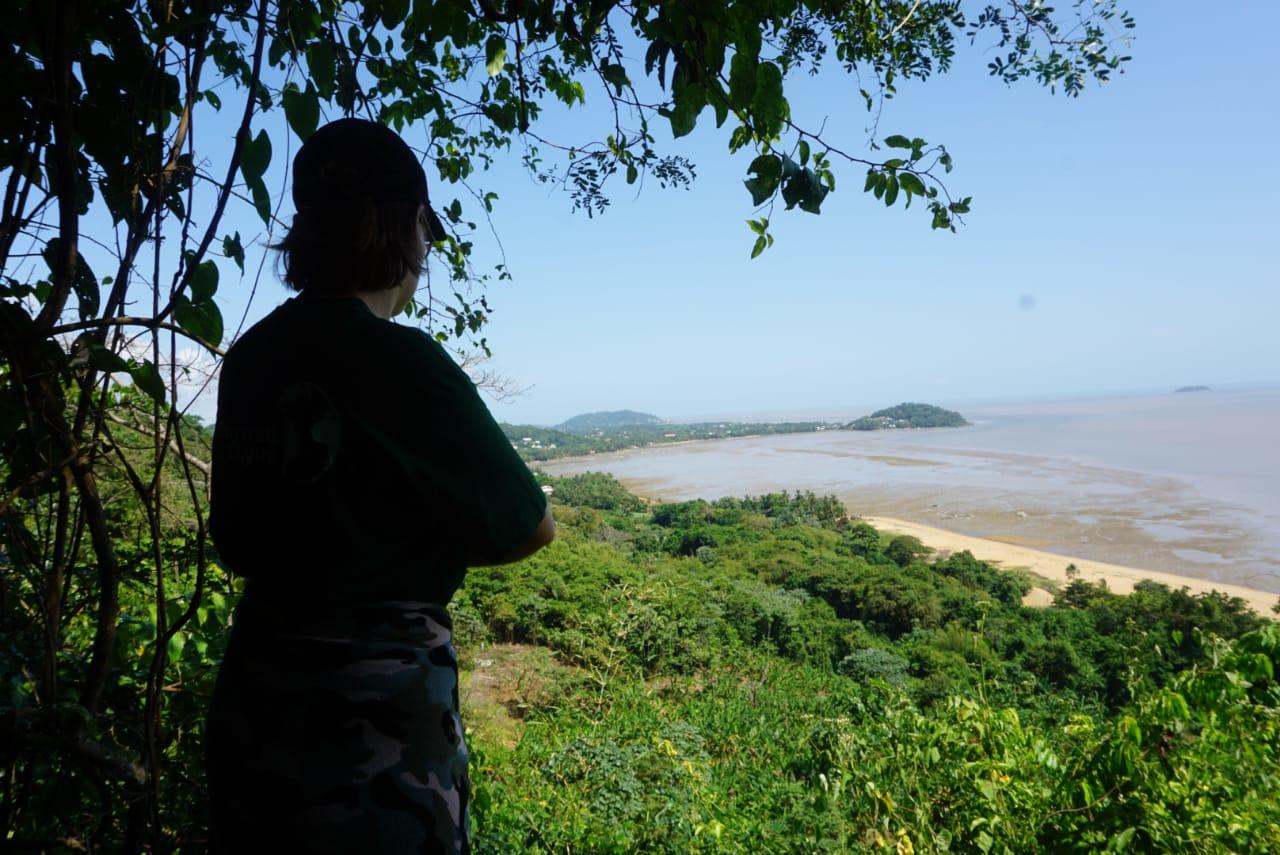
(354, 460)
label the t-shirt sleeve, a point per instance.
(489, 493)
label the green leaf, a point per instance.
(768, 171)
(632, 173)
(233, 249)
(721, 108)
(1121, 841)
(495, 55)
(84, 283)
(871, 181)
(255, 157)
(742, 67)
(813, 192)
(177, 642)
(202, 320)
(793, 191)
(616, 75)
(393, 12)
(276, 52)
(761, 243)
(689, 99)
(321, 64)
(767, 104)
(261, 199)
(911, 183)
(897, 141)
(147, 378)
(204, 281)
(891, 191)
(742, 80)
(302, 109)
(804, 152)
(504, 115)
(104, 359)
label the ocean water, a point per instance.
(1187, 483)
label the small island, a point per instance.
(909, 416)
(607, 419)
(1192, 389)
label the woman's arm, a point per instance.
(542, 535)
(495, 511)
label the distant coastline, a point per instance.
(589, 434)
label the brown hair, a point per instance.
(358, 244)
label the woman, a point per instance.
(356, 475)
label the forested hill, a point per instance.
(766, 675)
(909, 416)
(607, 419)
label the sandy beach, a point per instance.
(1016, 551)
(1053, 568)
(1014, 548)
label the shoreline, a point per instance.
(1052, 567)
(1047, 567)
(1011, 543)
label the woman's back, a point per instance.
(352, 457)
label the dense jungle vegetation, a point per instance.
(766, 675)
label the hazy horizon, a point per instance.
(855, 409)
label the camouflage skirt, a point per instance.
(338, 732)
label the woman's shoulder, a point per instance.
(420, 348)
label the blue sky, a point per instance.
(1117, 242)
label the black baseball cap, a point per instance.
(358, 153)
